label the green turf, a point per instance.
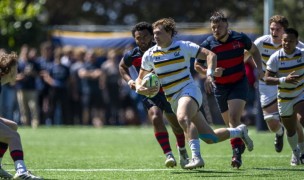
(132, 153)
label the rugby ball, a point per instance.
(151, 80)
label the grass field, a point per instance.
(132, 153)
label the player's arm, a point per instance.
(255, 53)
(202, 69)
(271, 79)
(140, 84)
(125, 74)
(211, 60)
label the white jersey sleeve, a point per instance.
(272, 63)
(147, 61)
(190, 48)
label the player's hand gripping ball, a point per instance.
(151, 80)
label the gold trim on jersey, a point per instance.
(169, 62)
(171, 50)
(284, 58)
(285, 99)
(270, 46)
(290, 90)
(171, 73)
(291, 68)
(176, 82)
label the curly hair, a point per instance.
(7, 61)
(168, 24)
(282, 20)
(142, 26)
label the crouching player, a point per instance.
(9, 137)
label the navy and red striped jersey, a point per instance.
(133, 57)
(230, 55)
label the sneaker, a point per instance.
(236, 161)
(245, 137)
(170, 161)
(278, 142)
(295, 158)
(196, 162)
(27, 175)
(4, 174)
(302, 159)
(183, 157)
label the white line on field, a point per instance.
(100, 170)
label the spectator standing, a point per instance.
(27, 96)
(91, 92)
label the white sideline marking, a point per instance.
(100, 170)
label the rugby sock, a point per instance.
(301, 147)
(180, 138)
(3, 148)
(163, 141)
(236, 142)
(280, 131)
(234, 132)
(17, 156)
(293, 141)
(194, 145)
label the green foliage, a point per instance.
(293, 10)
(133, 153)
(19, 22)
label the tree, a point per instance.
(19, 22)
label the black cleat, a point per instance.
(302, 159)
(236, 161)
(279, 142)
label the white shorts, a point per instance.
(191, 90)
(268, 93)
(286, 107)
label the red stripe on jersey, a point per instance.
(227, 63)
(228, 46)
(136, 62)
(230, 78)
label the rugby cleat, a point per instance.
(27, 175)
(196, 162)
(245, 137)
(170, 161)
(236, 161)
(183, 157)
(295, 158)
(302, 159)
(4, 174)
(279, 142)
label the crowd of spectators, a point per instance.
(76, 86)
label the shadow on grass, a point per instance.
(214, 174)
(277, 169)
(201, 171)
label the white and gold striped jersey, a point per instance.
(268, 93)
(171, 65)
(283, 64)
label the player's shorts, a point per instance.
(268, 94)
(191, 90)
(223, 93)
(286, 107)
(159, 100)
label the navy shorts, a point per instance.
(160, 101)
(223, 93)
